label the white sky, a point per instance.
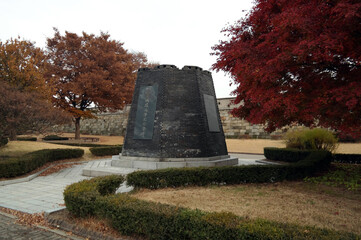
(169, 32)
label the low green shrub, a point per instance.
(13, 167)
(311, 139)
(54, 138)
(131, 216)
(176, 177)
(347, 158)
(80, 197)
(285, 154)
(340, 174)
(105, 151)
(81, 144)
(3, 141)
(295, 155)
(31, 139)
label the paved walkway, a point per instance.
(12, 231)
(45, 194)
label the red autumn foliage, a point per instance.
(90, 71)
(297, 62)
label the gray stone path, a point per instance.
(45, 194)
(9, 230)
(42, 194)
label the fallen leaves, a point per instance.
(27, 218)
(57, 168)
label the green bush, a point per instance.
(31, 139)
(311, 139)
(54, 138)
(176, 177)
(340, 174)
(285, 154)
(80, 197)
(13, 167)
(3, 141)
(347, 158)
(105, 151)
(131, 216)
(81, 144)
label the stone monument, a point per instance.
(174, 121)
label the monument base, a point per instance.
(160, 163)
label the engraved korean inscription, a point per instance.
(144, 119)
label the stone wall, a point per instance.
(239, 128)
(114, 124)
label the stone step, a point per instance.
(146, 164)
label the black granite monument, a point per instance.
(174, 121)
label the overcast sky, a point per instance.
(169, 32)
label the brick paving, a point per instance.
(9, 230)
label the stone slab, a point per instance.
(156, 163)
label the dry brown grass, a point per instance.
(18, 148)
(106, 140)
(297, 203)
(257, 145)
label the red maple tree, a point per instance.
(89, 71)
(297, 62)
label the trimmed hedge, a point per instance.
(176, 177)
(295, 155)
(347, 158)
(152, 220)
(81, 144)
(285, 154)
(3, 141)
(31, 139)
(54, 138)
(18, 166)
(105, 151)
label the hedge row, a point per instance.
(81, 144)
(295, 155)
(347, 158)
(54, 138)
(131, 216)
(285, 154)
(3, 141)
(176, 177)
(105, 151)
(21, 165)
(31, 139)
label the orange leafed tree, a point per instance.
(25, 99)
(23, 65)
(89, 71)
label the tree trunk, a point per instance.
(12, 135)
(77, 128)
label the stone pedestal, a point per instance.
(174, 121)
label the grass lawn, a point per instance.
(18, 148)
(288, 202)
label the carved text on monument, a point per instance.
(144, 120)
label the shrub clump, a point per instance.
(152, 220)
(346, 175)
(347, 158)
(311, 139)
(176, 177)
(13, 167)
(3, 141)
(54, 138)
(31, 139)
(105, 151)
(285, 154)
